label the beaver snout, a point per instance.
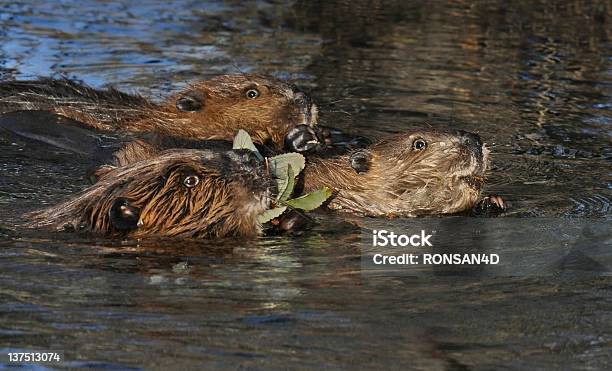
(304, 101)
(301, 99)
(471, 141)
(244, 161)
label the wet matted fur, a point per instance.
(443, 178)
(264, 106)
(178, 193)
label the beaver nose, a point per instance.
(303, 101)
(471, 141)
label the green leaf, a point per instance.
(270, 214)
(281, 184)
(278, 164)
(287, 185)
(242, 140)
(311, 200)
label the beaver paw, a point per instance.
(360, 161)
(491, 205)
(497, 201)
(304, 138)
(324, 135)
(292, 222)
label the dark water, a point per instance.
(533, 78)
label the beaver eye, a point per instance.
(419, 144)
(252, 93)
(191, 181)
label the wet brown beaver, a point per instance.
(273, 111)
(410, 174)
(177, 193)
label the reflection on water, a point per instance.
(533, 78)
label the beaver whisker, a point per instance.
(334, 101)
(336, 111)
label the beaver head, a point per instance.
(184, 193)
(410, 174)
(264, 106)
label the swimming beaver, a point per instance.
(214, 193)
(274, 112)
(409, 174)
(178, 193)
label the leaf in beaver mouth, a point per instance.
(289, 185)
(278, 164)
(270, 214)
(242, 140)
(310, 201)
(284, 168)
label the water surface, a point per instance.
(534, 79)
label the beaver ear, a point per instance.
(360, 161)
(123, 215)
(190, 103)
(94, 174)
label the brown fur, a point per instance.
(444, 178)
(231, 192)
(225, 107)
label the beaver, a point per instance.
(411, 174)
(219, 193)
(418, 173)
(177, 193)
(275, 113)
